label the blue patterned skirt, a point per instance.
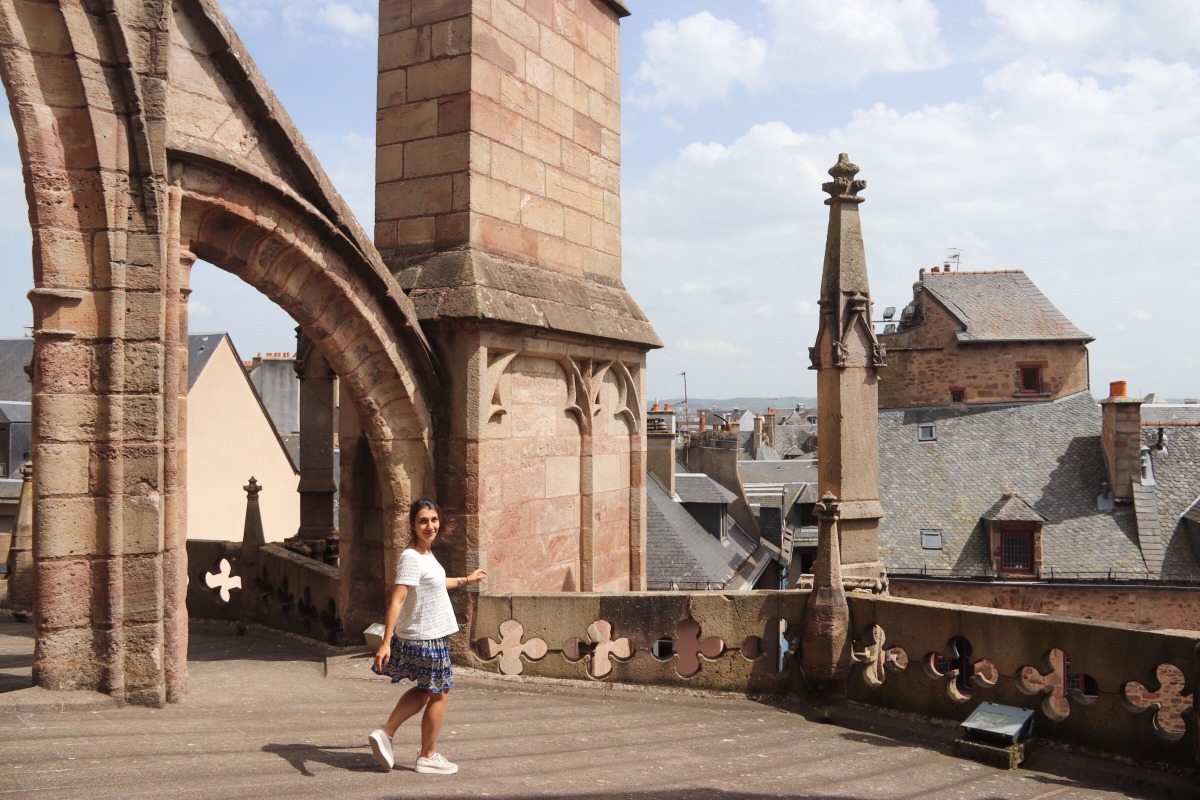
(424, 661)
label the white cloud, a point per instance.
(1139, 314)
(711, 347)
(692, 287)
(696, 59)
(348, 22)
(815, 45)
(805, 307)
(198, 308)
(1054, 23)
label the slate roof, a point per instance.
(782, 471)
(1177, 490)
(679, 552)
(201, 347)
(1160, 413)
(696, 487)
(15, 354)
(1048, 452)
(15, 412)
(1000, 307)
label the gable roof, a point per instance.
(679, 551)
(1048, 452)
(1002, 306)
(1011, 508)
(15, 355)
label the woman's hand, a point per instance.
(383, 655)
(477, 576)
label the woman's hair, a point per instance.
(418, 506)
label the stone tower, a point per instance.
(498, 209)
(847, 357)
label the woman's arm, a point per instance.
(475, 577)
(399, 592)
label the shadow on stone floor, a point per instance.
(352, 758)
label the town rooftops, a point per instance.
(1050, 454)
(681, 553)
(1000, 306)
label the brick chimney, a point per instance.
(1121, 438)
(660, 446)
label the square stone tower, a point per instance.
(498, 208)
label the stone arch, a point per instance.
(147, 138)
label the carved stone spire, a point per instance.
(825, 642)
(847, 356)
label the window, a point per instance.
(926, 432)
(931, 540)
(958, 395)
(1016, 551)
(1031, 380)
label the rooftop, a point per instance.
(1001, 306)
(272, 717)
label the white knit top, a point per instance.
(426, 613)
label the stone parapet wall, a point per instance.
(1104, 686)
(1132, 604)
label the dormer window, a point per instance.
(926, 432)
(1014, 530)
(1031, 379)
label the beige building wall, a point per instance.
(230, 439)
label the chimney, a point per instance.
(769, 427)
(660, 446)
(758, 430)
(1121, 438)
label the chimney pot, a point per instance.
(1117, 389)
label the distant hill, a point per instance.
(757, 404)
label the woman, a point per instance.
(419, 618)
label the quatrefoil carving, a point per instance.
(222, 580)
(877, 660)
(963, 673)
(1169, 702)
(1056, 684)
(600, 648)
(689, 647)
(774, 646)
(510, 648)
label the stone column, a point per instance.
(498, 209)
(825, 637)
(20, 555)
(847, 357)
(317, 426)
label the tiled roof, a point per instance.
(1145, 507)
(1177, 488)
(782, 471)
(679, 552)
(696, 487)
(15, 354)
(1048, 452)
(1000, 307)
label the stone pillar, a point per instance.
(317, 425)
(847, 357)
(366, 554)
(498, 209)
(20, 555)
(825, 638)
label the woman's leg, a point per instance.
(409, 704)
(431, 722)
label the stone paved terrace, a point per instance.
(270, 717)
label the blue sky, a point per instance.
(1061, 137)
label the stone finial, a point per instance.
(27, 471)
(828, 507)
(844, 187)
(252, 489)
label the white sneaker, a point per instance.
(381, 748)
(436, 764)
